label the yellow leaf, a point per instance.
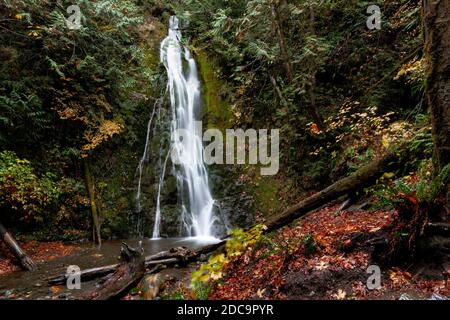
(220, 258)
(260, 293)
(204, 278)
(216, 275)
(105, 131)
(388, 175)
(341, 294)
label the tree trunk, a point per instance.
(278, 91)
(281, 40)
(91, 192)
(436, 24)
(436, 14)
(358, 180)
(12, 244)
(315, 114)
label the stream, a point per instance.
(33, 285)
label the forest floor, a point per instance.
(326, 256)
(323, 256)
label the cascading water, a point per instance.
(156, 231)
(140, 169)
(145, 155)
(197, 203)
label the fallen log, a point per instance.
(24, 260)
(349, 185)
(98, 272)
(174, 256)
(365, 176)
(85, 275)
(129, 272)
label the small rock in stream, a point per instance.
(150, 286)
(436, 296)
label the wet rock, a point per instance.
(8, 294)
(436, 296)
(406, 296)
(410, 296)
(62, 296)
(150, 286)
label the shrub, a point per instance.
(22, 191)
(202, 279)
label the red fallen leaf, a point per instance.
(412, 199)
(328, 231)
(347, 244)
(55, 289)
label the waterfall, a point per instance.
(157, 224)
(144, 158)
(140, 169)
(197, 203)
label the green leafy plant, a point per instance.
(310, 245)
(422, 185)
(22, 191)
(203, 278)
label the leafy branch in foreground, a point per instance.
(203, 278)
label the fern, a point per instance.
(429, 190)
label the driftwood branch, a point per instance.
(344, 206)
